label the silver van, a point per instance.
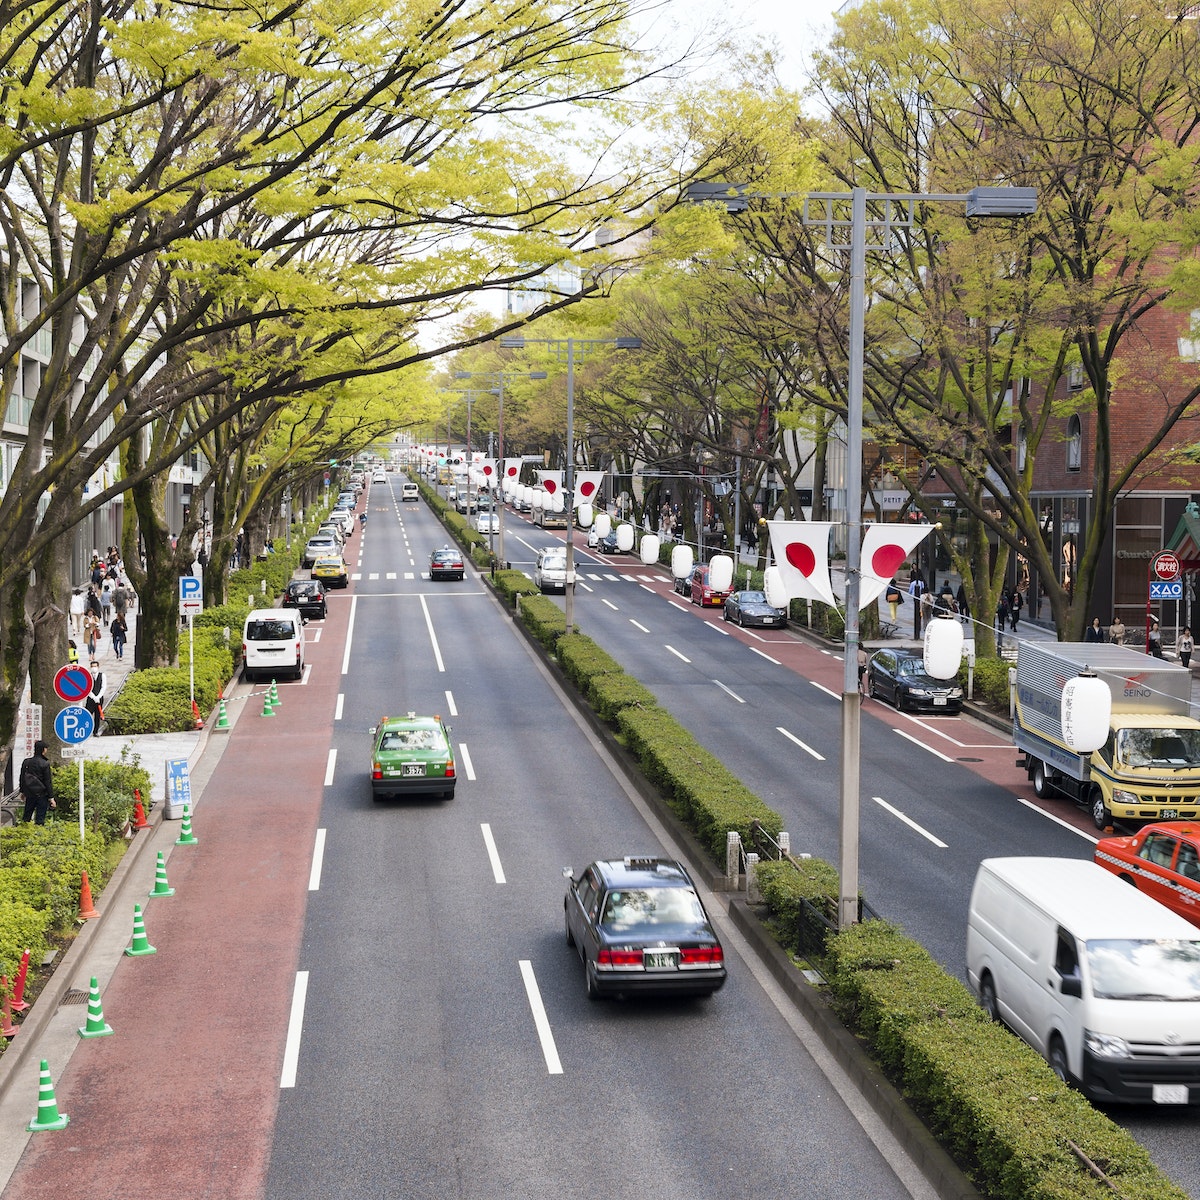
(273, 644)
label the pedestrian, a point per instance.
(97, 576)
(1116, 631)
(1015, 601)
(892, 596)
(91, 603)
(35, 784)
(1185, 646)
(91, 631)
(78, 607)
(72, 651)
(960, 598)
(1094, 631)
(916, 585)
(106, 602)
(927, 602)
(862, 668)
(119, 630)
(945, 601)
(120, 600)
(94, 702)
(1002, 610)
(1155, 639)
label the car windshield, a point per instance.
(754, 598)
(302, 589)
(1129, 969)
(1158, 747)
(910, 666)
(411, 739)
(637, 907)
(269, 631)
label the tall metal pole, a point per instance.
(851, 697)
(569, 498)
(500, 458)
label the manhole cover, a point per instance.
(73, 996)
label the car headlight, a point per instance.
(956, 693)
(1120, 796)
(916, 691)
(1105, 1045)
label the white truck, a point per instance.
(1149, 768)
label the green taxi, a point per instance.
(412, 754)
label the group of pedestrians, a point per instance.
(101, 606)
(1116, 633)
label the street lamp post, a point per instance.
(567, 346)
(897, 212)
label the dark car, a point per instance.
(308, 595)
(639, 926)
(446, 563)
(608, 543)
(751, 608)
(899, 677)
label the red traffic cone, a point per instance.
(7, 1028)
(196, 714)
(18, 997)
(87, 910)
(139, 813)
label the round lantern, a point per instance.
(603, 524)
(1086, 711)
(681, 562)
(943, 647)
(585, 514)
(648, 551)
(557, 503)
(538, 498)
(624, 538)
(776, 593)
(720, 572)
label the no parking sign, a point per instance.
(72, 683)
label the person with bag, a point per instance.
(892, 596)
(916, 585)
(1185, 646)
(35, 784)
(119, 630)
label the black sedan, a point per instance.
(751, 608)
(639, 926)
(446, 563)
(307, 595)
(898, 676)
(608, 543)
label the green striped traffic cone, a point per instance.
(95, 1026)
(274, 694)
(48, 1116)
(141, 944)
(186, 838)
(222, 716)
(268, 710)
(160, 879)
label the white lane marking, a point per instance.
(314, 875)
(349, 636)
(466, 758)
(337, 708)
(649, 589)
(719, 628)
(1041, 812)
(638, 625)
(493, 853)
(678, 655)
(437, 653)
(390, 575)
(329, 765)
(356, 575)
(918, 742)
(791, 737)
(763, 654)
(549, 1050)
(729, 691)
(610, 604)
(291, 1049)
(316, 637)
(822, 688)
(306, 674)
(580, 584)
(450, 706)
(909, 822)
(681, 607)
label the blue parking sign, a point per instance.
(74, 724)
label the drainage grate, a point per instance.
(73, 996)
(966, 759)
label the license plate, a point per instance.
(1170, 814)
(938, 701)
(1170, 1093)
(414, 768)
(660, 959)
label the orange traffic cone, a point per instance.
(196, 715)
(87, 910)
(139, 813)
(7, 1028)
(18, 1003)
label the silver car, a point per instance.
(550, 570)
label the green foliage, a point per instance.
(582, 659)
(785, 886)
(154, 700)
(511, 584)
(22, 926)
(608, 694)
(108, 789)
(990, 682)
(50, 860)
(543, 618)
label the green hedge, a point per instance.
(990, 682)
(582, 660)
(543, 618)
(608, 694)
(108, 789)
(511, 584)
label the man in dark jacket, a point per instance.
(35, 785)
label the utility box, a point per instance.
(177, 788)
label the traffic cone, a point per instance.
(274, 694)
(141, 943)
(139, 813)
(267, 711)
(87, 910)
(18, 997)
(186, 838)
(222, 716)
(7, 1028)
(196, 715)
(47, 1116)
(160, 879)
(95, 1026)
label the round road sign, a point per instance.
(1166, 566)
(72, 683)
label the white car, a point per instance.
(550, 571)
(379, 477)
(487, 522)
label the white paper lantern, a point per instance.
(681, 562)
(537, 498)
(557, 503)
(720, 572)
(624, 538)
(649, 548)
(943, 647)
(586, 514)
(1086, 712)
(603, 524)
(776, 593)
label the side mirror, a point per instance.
(568, 873)
(1072, 985)
(371, 731)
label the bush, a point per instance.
(108, 789)
(990, 682)
(582, 660)
(544, 619)
(785, 886)
(608, 694)
(511, 584)
(153, 700)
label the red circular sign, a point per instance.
(72, 683)
(1166, 566)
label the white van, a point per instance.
(1099, 979)
(408, 491)
(273, 643)
(550, 571)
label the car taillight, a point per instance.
(376, 771)
(619, 958)
(450, 770)
(701, 956)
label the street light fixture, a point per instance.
(897, 211)
(566, 346)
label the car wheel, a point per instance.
(871, 686)
(1042, 787)
(1057, 1058)
(1101, 813)
(725, 615)
(900, 704)
(567, 923)
(987, 998)
(593, 988)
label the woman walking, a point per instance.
(1185, 647)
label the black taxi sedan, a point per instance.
(899, 677)
(639, 927)
(446, 563)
